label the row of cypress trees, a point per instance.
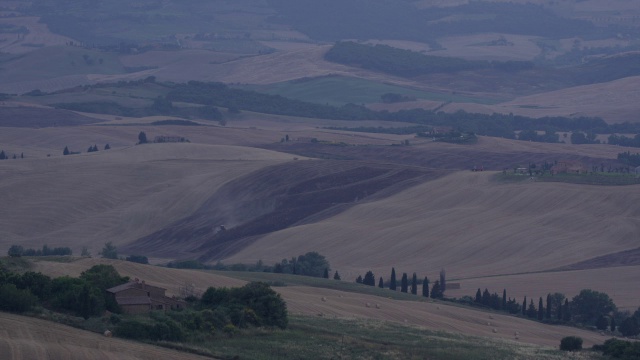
(436, 292)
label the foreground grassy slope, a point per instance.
(305, 300)
(29, 338)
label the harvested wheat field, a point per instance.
(28, 338)
(117, 195)
(468, 224)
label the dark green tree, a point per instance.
(15, 251)
(540, 310)
(142, 138)
(532, 312)
(524, 307)
(486, 297)
(414, 284)
(107, 147)
(425, 287)
(336, 276)
(436, 291)
(602, 323)
(65, 151)
(109, 251)
(443, 280)
(359, 279)
(504, 299)
(311, 264)
(404, 283)
(549, 306)
(589, 305)
(571, 343)
(479, 296)
(326, 273)
(381, 283)
(392, 281)
(566, 311)
(369, 279)
(629, 327)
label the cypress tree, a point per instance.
(504, 299)
(548, 306)
(566, 312)
(359, 279)
(436, 291)
(392, 282)
(540, 310)
(524, 306)
(65, 151)
(532, 312)
(486, 297)
(404, 283)
(369, 279)
(414, 284)
(326, 273)
(425, 287)
(443, 281)
(560, 311)
(336, 276)
(479, 296)
(381, 283)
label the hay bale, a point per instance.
(107, 333)
(494, 330)
(324, 299)
(488, 324)
(377, 306)
(491, 317)
(368, 305)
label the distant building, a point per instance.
(137, 297)
(569, 167)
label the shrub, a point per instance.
(571, 343)
(16, 300)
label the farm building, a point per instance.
(137, 297)
(569, 167)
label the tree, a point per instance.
(140, 259)
(613, 324)
(109, 251)
(524, 307)
(107, 147)
(336, 276)
(15, 251)
(359, 279)
(532, 312)
(311, 264)
(602, 323)
(589, 305)
(3, 156)
(326, 273)
(486, 297)
(65, 151)
(629, 327)
(85, 252)
(504, 299)
(566, 311)
(369, 279)
(404, 283)
(414, 284)
(142, 138)
(571, 343)
(436, 291)
(540, 310)
(392, 282)
(548, 306)
(381, 283)
(425, 287)
(443, 281)
(479, 296)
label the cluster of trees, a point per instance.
(549, 136)
(4, 156)
(93, 148)
(620, 349)
(406, 285)
(18, 250)
(409, 63)
(84, 296)
(218, 310)
(591, 308)
(629, 158)
(624, 141)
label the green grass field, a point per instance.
(340, 90)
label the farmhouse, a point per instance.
(569, 167)
(137, 297)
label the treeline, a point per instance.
(409, 63)
(629, 158)
(405, 285)
(83, 296)
(18, 250)
(5, 156)
(624, 141)
(588, 308)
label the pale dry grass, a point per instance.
(38, 34)
(29, 338)
(117, 195)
